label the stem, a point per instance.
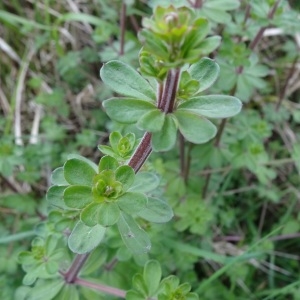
(77, 264)
(141, 153)
(284, 88)
(198, 3)
(134, 23)
(169, 93)
(122, 27)
(260, 33)
(100, 287)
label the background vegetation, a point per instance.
(236, 230)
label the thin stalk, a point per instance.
(260, 33)
(71, 275)
(122, 27)
(102, 288)
(285, 86)
(134, 23)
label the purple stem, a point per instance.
(100, 287)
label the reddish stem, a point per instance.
(100, 287)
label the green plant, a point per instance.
(115, 192)
(217, 206)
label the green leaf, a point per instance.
(194, 128)
(223, 4)
(78, 172)
(89, 215)
(78, 196)
(45, 289)
(125, 175)
(156, 211)
(206, 71)
(152, 121)
(139, 285)
(69, 291)
(126, 110)
(89, 162)
(152, 275)
(58, 178)
(207, 46)
(212, 106)
(133, 295)
(55, 196)
(124, 80)
(165, 139)
(114, 139)
(145, 182)
(133, 236)
(108, 214)
(132, 203)
(108, 163)
(84, 239)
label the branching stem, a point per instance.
(166, 99)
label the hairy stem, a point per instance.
(141, 153)
(100, 287)
(169, 93)
(71, 275)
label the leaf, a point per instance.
(89, 162)
(78, 196)
(152, 121)
(78, 172)
(194, 128)
(223, 4)
(126, 110)
(212, 106)
(156, 211)
(133, 295)
(165, 139)
(55, 196)
(45, 289)
(145, 182)
(125, 175)
(58, 178)
(208, 45)
(124, 80)
(114, 139)
(132, 203)
(89, 215)
(206, 71)
(84, 239)
(69, 291)
(152, 275)
(133, 236)
(108, 214)
(108, 163)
